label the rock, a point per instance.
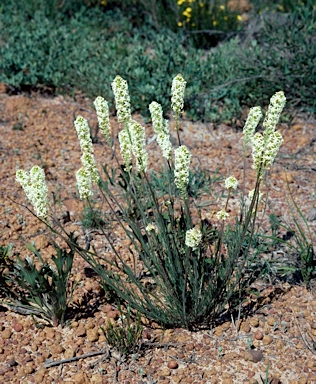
(18, 327)
(96, 379)
(165, 372)
(56, 349)
(106, 308)
(253, 355)
(80, 331)
(69, 353)
(271, 321)
(29, 368)
(173, 364)
(254, 322)
(41, 242)
(93, 334)
(258, 335)
(267, 340)
(80, 378)
(6, 334)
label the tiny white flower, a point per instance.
(177, 94)
(150, 227)
(122, 99)
(182, 169)
(102, 110)
(231, 182)
(193, 238)
(222, 215)
(84, 183)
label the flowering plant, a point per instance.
(180, 269)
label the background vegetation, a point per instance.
(81, 44)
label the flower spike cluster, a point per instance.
(84, 183)
(102, 110)
(138, 138)
(177, 94)
(35, 188)
(193, 238)
(126, 149)
(265, 147)
(182, 169)
(122, 99)
(251, 124)
(277, 103)
(87, 158)
(161, 129)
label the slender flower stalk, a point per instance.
(122, 99)
(34, 185)
(84, 183)
(102, 110)
(138, 137)
(251, 124)
(193, 238)
(182, 169)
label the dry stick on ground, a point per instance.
(106, 350)
(307, 343)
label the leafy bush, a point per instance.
(44, 292)
(180, 269)
(80, 49)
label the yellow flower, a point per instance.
(193, 24)
(180, 2)
(239, 18)
(180, 24)
(187, 13)
(215, 22)
(222, 7)
(103, 2)
(225, 18)
(201, 5)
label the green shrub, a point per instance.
(80, 50)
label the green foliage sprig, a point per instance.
(125, 335)
(44, 291)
